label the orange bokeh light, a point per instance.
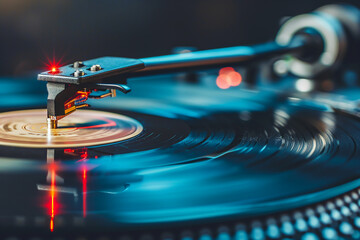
(234, 79)
(221, 82)
(228, 77)
(226, 70)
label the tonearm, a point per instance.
(318, 43)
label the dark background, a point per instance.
(32, 31)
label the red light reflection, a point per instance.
(228, 77)
(81, 153)
(53, 206)
(84, 181)
(54, 70)
(53, 65)
(109, 123)
(52, 198)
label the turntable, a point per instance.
(274, 156)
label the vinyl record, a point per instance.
(195, 162)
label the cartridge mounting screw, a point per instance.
(78, 64)
(79, 73)
(95, 67)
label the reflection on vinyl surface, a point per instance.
(83, 128)
(237, 156)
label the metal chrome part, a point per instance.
(339, 28)
(78, 64)
(95, 68)
(79, 73)
(331, 33)
(52, 123)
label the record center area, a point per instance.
(28, 128)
